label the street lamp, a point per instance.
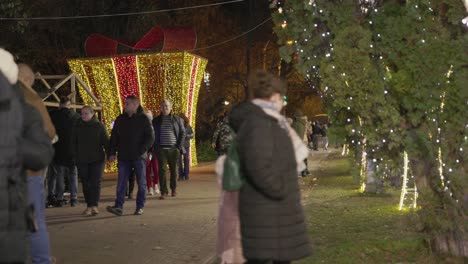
(226, 102)
(465, 21)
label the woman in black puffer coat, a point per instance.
(89, 142)
(271, 215)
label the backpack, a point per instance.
(12, 179)
(233, 177)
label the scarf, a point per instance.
(301, 151)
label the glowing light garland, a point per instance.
(151, 77)
(127, 78)
(405, 190)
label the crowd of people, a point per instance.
(313, 134)
(61, 148)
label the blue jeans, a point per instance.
(125, 168)
(60, 172)
(39, 240)
(185, 169)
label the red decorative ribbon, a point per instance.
(193, 77)
(173, 39)
(127, 77)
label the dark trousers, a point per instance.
(131, 183)
(57, 177)
(259, 261)
(125, 168)
(184, 165)
(168, 156)
(91, 175)
(315, 141)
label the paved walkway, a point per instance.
(175, 230)
(179, 230)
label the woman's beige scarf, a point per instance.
(301, 151)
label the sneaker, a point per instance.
(139, 211)
(51, 202)
(162, 197)
(73, 202)
(115, 210)
(151, 191)
(156, 189)
(130, 196)
(94, 210)
(173, 193)
(87, 212)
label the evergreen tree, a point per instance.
(395, 77)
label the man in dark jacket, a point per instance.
(222, 137)
(39, 240)
(169, 139)
(316, 133)
(131, 138)
(63, 165)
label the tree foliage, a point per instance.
(394, 75)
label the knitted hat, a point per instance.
(8, 66)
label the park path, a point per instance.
(179, 230)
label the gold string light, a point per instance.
(173, 76)
(150, 68)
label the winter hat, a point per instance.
(8, 66)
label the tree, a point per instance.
(391, 74)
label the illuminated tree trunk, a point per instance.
(442, 219)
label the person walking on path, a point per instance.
(184, 161)
(39, 240)
(24, 145)
(89, 142)
(63, 165)
(324, 137)
(131, 138)
(228, 244)
(300, 125)
(168, 144)
(222, 137)
(316, 134)
(272, 221)
(152, 167)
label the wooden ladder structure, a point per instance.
(71, 78)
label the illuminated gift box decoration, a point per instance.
(152, 77)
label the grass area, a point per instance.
(346, 226)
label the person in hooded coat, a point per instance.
(272, 222)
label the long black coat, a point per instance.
(64, 120)
(24, 145)
(271, 216)
(89, 140)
